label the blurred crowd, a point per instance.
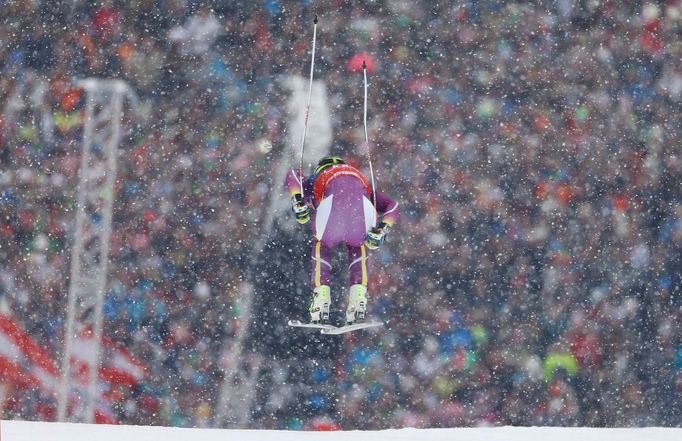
(533, 279)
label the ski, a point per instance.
(299, 324)
(349, 328)
(331, 329)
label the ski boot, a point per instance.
(319, 306)
(357, 304)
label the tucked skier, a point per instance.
(344, 214)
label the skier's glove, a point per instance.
(300, 209)
(376, 236)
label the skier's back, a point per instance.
(344, 214)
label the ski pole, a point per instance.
(307, 110)
(369, 156)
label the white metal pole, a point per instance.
(64, 384)
(108, 196)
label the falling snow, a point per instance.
(534, 277)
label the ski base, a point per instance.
(299, 324)
(334, 330)
(349, 328)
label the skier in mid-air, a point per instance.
(344, 214)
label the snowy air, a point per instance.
(380, 219)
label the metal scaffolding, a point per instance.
(90, 251)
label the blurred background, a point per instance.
(533, 278)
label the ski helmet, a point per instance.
(328, 161)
